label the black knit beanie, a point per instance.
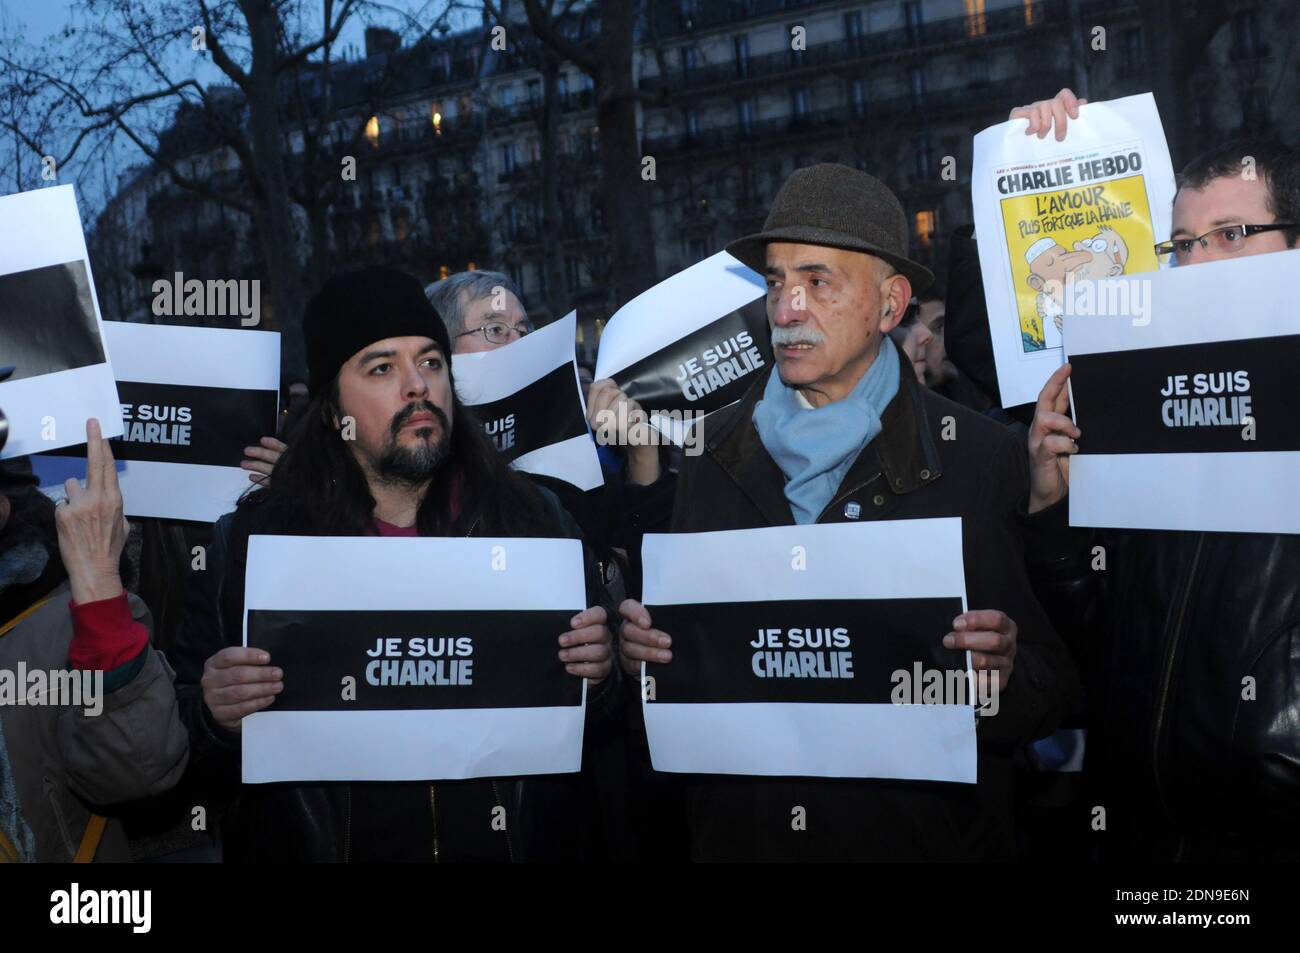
(358, 308)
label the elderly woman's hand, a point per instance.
(92, 529)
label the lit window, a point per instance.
(925, 227)
(436, 119)
(1029, 12)
(471, 266)
(443, 272)
(976, 24)
(372, 130)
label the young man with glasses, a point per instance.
(1192, 640)
(1220, 212)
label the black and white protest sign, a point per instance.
(529, 400)
(191, 400)
(414, 658)
(1189, 413)
(791, 644)
(50, 328)
(685, 347)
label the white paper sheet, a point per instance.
(704, 294)
(50, 330)
(672, 309)
(1243, 490)
(486, 377)
(293, 573)
(219, 359)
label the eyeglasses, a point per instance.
(1228, 239)
(497, 333)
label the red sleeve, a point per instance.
(104, 636)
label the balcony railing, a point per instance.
(419, 135)
(867, 46)
(530, 109)
(933, 106)
(521, 172)
(678, 18)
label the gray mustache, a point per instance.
(793, 334)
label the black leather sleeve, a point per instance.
(214, 751)
(603, 704)
(1061, 561)
(641, 509)
(1044, 688)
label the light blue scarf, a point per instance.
(815, 448)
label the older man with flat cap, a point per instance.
(842, 431)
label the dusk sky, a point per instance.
(36, 21)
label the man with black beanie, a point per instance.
(385, 449)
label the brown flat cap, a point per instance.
(833, 205)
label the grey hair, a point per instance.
(449, 295)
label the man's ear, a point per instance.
(1035, 282)
(897, 294)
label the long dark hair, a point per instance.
(319, 489)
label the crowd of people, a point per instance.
(1132, 671)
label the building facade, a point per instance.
(447, 137)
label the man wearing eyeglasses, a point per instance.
(1192, 640)
(483, 310)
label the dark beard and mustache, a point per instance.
(413, 465)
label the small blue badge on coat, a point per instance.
(852, 510)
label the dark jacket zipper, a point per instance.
(1167, 675)
(433, 800)
(347, 825)
(433, 808)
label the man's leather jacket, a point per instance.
(1190, 647)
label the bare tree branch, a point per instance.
(331, 34)
(547, 30)
(219, 56)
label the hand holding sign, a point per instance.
(990, 637)
(617, 419)
(92, 530)
(638, 642)
(1042, 113)
(1052, 439)
(586, 651)
(238, 681)
(261, 460)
